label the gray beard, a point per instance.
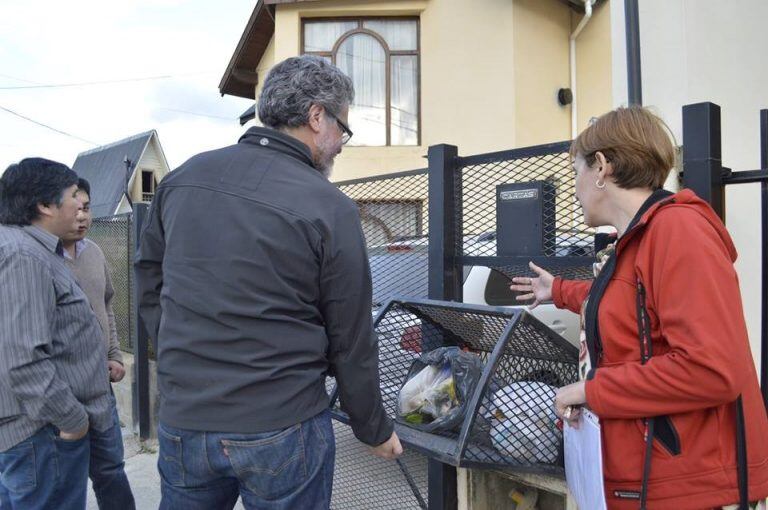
(325, 168)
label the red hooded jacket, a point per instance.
(683, 255)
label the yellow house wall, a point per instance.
(540, 48)
(490, 71)
(593, 66)
(267, 61)
(136, 184)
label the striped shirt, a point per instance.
(53, 360)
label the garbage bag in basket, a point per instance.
(438, 385)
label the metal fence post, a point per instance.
(444, 214)
(764, 237)
(702, 155)
(632, 28)
(141, 407)
(445, 281)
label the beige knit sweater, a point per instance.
(92, 273)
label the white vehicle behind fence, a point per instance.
(400, 269)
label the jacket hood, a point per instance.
(689, 199)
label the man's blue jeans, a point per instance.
(45, 471)
(107, 467)
(286, 469)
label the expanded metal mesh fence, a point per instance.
(395, 218)
(544, 172)
(394, 213)
(114, 235)
(508, 419)
(362, 481)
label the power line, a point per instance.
(197, 114)
(99, 82)
(47, 126)
(20, 79)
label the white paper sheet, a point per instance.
(584, 462)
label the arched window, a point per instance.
(382, 58)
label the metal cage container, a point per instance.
(509, 421)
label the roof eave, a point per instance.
(240, 77)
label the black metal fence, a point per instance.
(394, 212)
(567, 242)
(364, 482)
(462, 191)
(704, 173)
(426, 229)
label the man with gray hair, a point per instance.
(254, 282)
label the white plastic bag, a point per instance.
(410, 394)
(428, 393)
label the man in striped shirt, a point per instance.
(53, 361)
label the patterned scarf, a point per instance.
(585, 364)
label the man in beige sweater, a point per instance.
(89, 266)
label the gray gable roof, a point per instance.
(104, 168)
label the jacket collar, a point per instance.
(658, 198)
(276, 140)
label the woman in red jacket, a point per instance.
(665, 358)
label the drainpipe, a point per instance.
(632, 29)
(574, 35)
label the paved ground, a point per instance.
(361, 481)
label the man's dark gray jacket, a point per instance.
(254, 279)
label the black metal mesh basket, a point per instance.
(509, 422)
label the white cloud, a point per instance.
(93, 40)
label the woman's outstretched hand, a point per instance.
(538, 288)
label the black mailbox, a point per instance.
(525, 219)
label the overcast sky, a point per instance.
(54, 42)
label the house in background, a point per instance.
(484, 75)
(132, 167)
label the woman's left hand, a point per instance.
(568, 402)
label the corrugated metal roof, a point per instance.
(104, 168)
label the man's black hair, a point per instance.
(84, 185)
(30, 182)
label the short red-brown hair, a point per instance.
(638, 144)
